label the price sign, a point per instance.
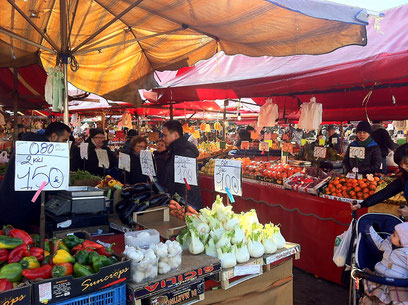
(102, 155)
(146, 162)
(244, 145)
(322, 142)
(185, 168)
(334, 140)
(248, 269)
(357, 152)
(83, 150)
(320, 152)
(269, 143)
(227, 174)
(287, 147)
(303, 142)
(124, 162)
(38, 162)
(263, 146)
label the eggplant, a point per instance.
(126, 216)
(157, 188)
(179, 199)
(141, 196)
(122, 205)
(143, 206)
(158, 199)
(135, 189)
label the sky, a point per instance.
(373, 5)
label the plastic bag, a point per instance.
(268, 114)
(310, 115)
(342, 246)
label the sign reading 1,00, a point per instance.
(227, 174)
(38, 162)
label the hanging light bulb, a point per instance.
(239, 117)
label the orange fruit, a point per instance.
(344, 188)
(376, 179)
(360, 195)
(365, 195)
(366, 190)
(371, 193)
(357, 189)
(352, 193)
(338, 186)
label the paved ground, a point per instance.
(308, 290)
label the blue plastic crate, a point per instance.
(109, 296)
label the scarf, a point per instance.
(364, 143)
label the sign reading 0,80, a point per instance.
(227, 174)
(37, 162)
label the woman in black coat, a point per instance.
(137, 144)
(398, 185)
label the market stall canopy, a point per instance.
(331, 77)
(115, 46)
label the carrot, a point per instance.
(172, 207)
(189, 214)
(191, 209)
(173, 213)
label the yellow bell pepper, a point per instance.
(63, 256)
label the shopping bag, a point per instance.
(341, 246)
(268, 114)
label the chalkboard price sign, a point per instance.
(38, 162)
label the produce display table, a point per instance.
(308, 220)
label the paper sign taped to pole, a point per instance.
(146, 162)
(103, 160)
(38, 162)
(124, 162)
(227, 174)
(83, 149)
(185, 167)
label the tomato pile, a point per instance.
(275, 172)
(352, 188)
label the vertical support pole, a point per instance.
(224, 120)
(15, 104)
(103, 121)
(42, 220)
(64, 51)
(341, 136)
(171, 112)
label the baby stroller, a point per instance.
(364, 254)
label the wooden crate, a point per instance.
(159, 218)
(229, 277)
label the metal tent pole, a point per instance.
(64, 54)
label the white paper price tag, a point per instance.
(103, 160)
(246, 270)
(124, 162)
(38, 162)
(227, 174)
(263, 146)
(351, 175)
(320, 152)
(334, 140)
(146, 162)
(185, 167)
(83, 149)
(357, 152)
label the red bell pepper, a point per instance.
(43, 272)
(5, 285)
(18, 253)
(108, 252)
(37, 252)
(92, 244)
(3, 255)
(62, 269)
(23, 235)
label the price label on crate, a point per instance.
(263, 146)
(185, 168)
(357, 152)
(38, 162)
(227, 174)
(320, 152)
(146, 162)
(246, 270)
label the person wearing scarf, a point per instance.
(371, 163)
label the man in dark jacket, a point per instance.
(371, 162)
(384, 141)
(16, 208)
(334, 138)
(179, 145)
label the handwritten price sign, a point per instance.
(146, 162)
(227, 174)
(185, 168)
(357, 152)
(38, 162)
(320, 152)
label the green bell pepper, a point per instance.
(36, 240)
(82, 257)
(90, 256)
(47, 260)
(29, 262)
(9, 242)
(81, 270)
(12, 272)
(47, 246)
(100, 261)
(72, 241)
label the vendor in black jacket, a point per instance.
(334, 140)
(16, 208)
(137, 144)
(371, 162)
(398, 185)
(96, 140)
(179, 145)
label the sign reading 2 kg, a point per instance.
(37, 162)
(227, 174)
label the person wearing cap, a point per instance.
(370, 160)
(334, 138)
(96, 140)
(394, 264)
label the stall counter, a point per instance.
(308, 220)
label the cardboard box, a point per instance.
(16, 296)
(67, 287)
(309, 188)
